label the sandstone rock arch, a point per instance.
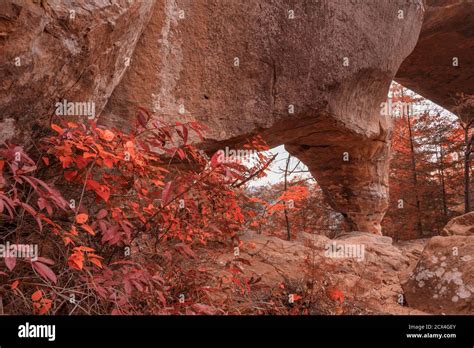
(239, 65)
(333, 62)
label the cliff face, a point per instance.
(310, 75)
(55, 50)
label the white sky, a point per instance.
(275, 172)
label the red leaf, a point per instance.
(111, 235)
(103, 191)
(76, 261)
(143, 116)
(296, 297)
(197, 128)
(181, 154)
(127, 285)
(161, 297)
(95, 262)
(15, 284)
(109, 163)
(45, 260)
(70, 175)
(116, 311)
(141, 119)
(65, 160)
(215, 159)
(102, 214)
(185, 134)
(10, 262)
(44, 271)
(81, 218)
(46, 306)
(107, 135)
(83, 248)
(37, 295)
(57, 128)
(88, 229)
(336, 295)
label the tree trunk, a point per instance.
(467, 168)
(443, 184)
(288, 229)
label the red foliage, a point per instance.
(149, 190)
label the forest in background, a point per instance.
(428, 182)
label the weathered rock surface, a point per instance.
(240, 67)
(443, 279)
(411, 249)
(447, 34)
(55, 50)
(369, 278)
(461, 225)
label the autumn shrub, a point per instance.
(113, 215)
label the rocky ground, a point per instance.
(374, 275)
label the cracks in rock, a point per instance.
(305, 147)
(273, 91)
(272, 66)
(63, 95)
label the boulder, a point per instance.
(57, 50)
(443, 280)
(461, 225)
